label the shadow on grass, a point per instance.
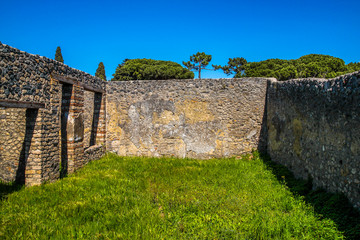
(327, 205)
(7, 188)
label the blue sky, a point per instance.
(110, 31)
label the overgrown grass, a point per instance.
(7, 188)
(327, 205)
(164, 198)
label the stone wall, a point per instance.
(54, 119)
(314, 129)
(186, 118)
(27, 77)
(94, 152)
(42, 125)
(88, 117)
(12, 142)
(94, 124)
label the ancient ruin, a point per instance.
(54, 119)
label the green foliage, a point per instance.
(198, 62)
(327, 205)
(100, 71)
(235, 66)
(308, 66)
(163, 198)
(353, 67)
(148, 69)
(58, 55)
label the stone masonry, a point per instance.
(186, 118)
(54, 119)
(42, 117)
(11, 143)
(314, 129)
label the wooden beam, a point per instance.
(74, 81)
(64, 79)
(91, 89)
(20, 104)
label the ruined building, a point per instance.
(54, 119)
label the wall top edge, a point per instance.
(4, 48)
(195, 80)
(322, 80)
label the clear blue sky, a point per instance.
(110, 31)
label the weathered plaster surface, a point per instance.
(185, 118)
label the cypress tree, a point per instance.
(100, 71)
(58, 55)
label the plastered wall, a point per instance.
(186, 118)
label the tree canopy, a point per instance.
(312, 65)
(198, 62)
(235, 66)
(58, 55)
(100, 71)
(149, 69)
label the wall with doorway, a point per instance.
(42, 117)
(52, 121)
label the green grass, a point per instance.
(327, 205)
(164, 198)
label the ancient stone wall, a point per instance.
(54, 119)
(94, 152)
(186, 118)
(88, 117)
(314, 129)
(42, 116)
(27, 77)
(12, 142)
(94, 112)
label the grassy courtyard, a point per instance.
(167, 198)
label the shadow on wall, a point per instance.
(31, 115)
(7, 188)
(96, 117)
(65, 108)
(263, 137)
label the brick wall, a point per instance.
(42, 117)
